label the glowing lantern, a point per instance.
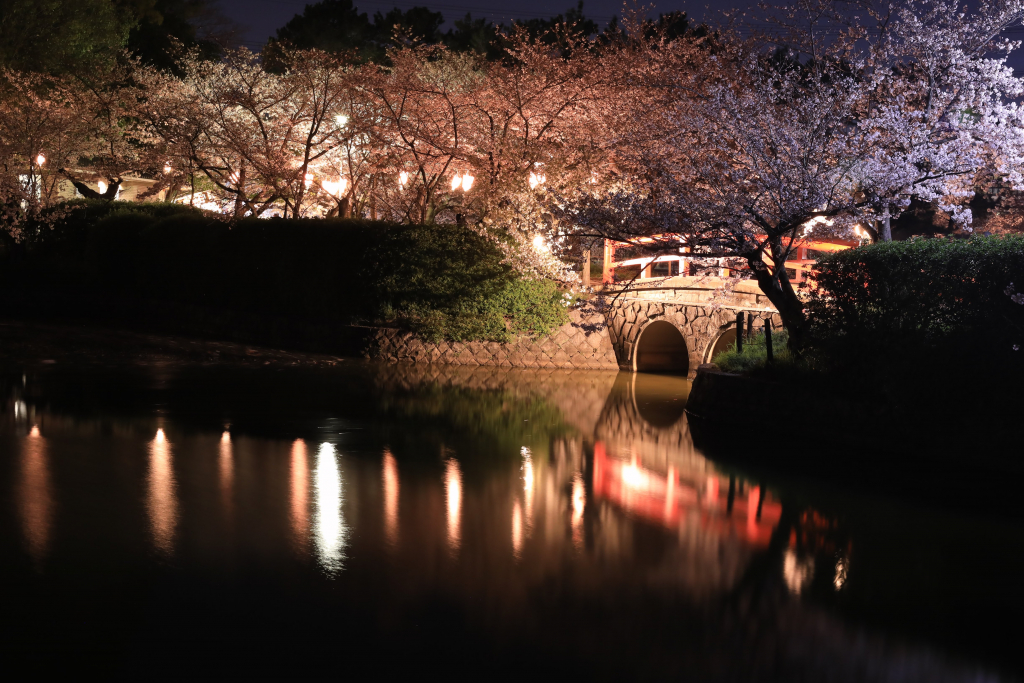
(103, 190)
(456, 182)
(467, 182)
(335, 188)
(403, 178)
(40, 160)
(167, 168)
(341, 120)
(309, 180)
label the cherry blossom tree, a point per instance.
(737, 148)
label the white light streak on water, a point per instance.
(331, 533)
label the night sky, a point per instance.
(261, 18)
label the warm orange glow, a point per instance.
(453, 493)
(162, 501)
(670, 492)
(102, 187)
(579, 503)
(517, 528)
(335, 188)
(752, 509)
(467, 183)
(227, 470)
(456, 182)
(669, 499)
(300, 492)
(712, 490)
(796, 572)
(34, 494)
(167, 168)
(390, 498)
(528, 484)
(40, 159)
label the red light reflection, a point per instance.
(672, 498)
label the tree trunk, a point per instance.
(90, 193)
(776, 286)
(884, 227)
(239, 189)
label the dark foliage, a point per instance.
(942, 295)
(442, 280)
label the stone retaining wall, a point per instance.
(581, 344)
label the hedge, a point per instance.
(441, 280)
(940, 295)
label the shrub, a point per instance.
(922, 296)
(520, 307)
(442, 280)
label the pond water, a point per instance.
(167, 516)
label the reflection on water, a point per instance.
(453, 498)
(517, 528)
(564, 509)
(227, 472)
(299, 493)
(162, 501)
(390, 474)
(35, 499)
(330, 523)
(528, 485)
(579, 504)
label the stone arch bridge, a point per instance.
(670, 325)
(681, 323)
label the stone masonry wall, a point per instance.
(701, 309)
(581, 344)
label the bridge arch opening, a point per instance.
(725, 342)
(661, 348)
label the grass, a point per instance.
(753, 360)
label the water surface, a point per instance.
(166, 514)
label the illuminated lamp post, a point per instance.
(462, 182)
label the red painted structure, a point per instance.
(670, 265)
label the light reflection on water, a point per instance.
(226, 467)
(600, 493)
(36, 500)
(453, 500)
(162, 501)
(390, 476)
(299, 507)
(329, 518)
